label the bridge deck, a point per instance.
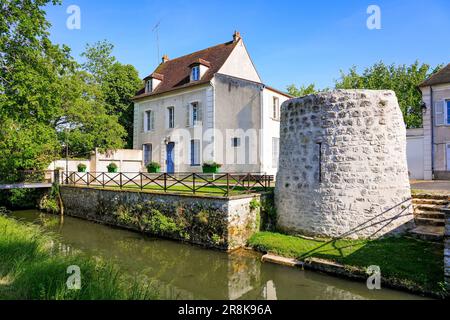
(25, 186)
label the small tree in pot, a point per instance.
(82, 167)
(211, 167)
(153, 167)
(112, 167)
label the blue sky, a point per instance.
(298, 42)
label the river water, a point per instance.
(183, 271)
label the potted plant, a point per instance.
(211, 167)
(112, 167)
(154, 167)
(82, 167)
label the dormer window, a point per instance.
(148, 86)
(198, 69)
(195, 73)
(152, 82)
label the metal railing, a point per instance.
(221, 183)
(28, 176)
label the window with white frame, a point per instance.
(148, 149)
(195, 73)
(195, 152)
(149, 120)
(275, 152)
(194, 114)
(276, 108)
(171, 117)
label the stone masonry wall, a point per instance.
(218, 222)
(343, 169)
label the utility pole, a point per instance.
(156, 29)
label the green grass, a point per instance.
(180, 189)
(33, 267)
(413, 263)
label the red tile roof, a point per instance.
(177, 72)
(443, 76)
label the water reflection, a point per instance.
(182, 271)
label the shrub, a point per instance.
(153, 167)
(81, 167)
(212, 164)
(112, 167)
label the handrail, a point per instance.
(222, 183)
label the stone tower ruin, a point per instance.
(343, 169)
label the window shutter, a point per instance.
(152, 120)
(188, 115)
(439, 113)
(199, 112)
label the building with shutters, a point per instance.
(436, 125)
(209, 106)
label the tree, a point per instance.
(402, 79)
(301, 91)
(45, 97)
(118, 82)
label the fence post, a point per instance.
(140, 174)
(193, 182)
(165, 182)
(228, 184)
(120, 180)
(103, 180)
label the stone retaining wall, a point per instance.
(218, 222)
(343, 168)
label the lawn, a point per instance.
(413, 263)
(205, 191)
(32, 267)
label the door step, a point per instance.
(431, 201)
(428, 233)
(430, 222)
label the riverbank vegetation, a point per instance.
(412, 263)
(34, 266)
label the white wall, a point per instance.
(240, 65)
(415, 153)
(128, 161)
(159, 137)
(72, 165)
(271, 129)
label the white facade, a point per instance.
(229, 120)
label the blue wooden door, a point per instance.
(169, 161)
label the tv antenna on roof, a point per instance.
(156, 30)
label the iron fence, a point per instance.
(222, 183)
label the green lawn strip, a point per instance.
(403, 260)
(209, 190)
(33, 268)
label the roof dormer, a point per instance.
(198, 69)
(152, 82)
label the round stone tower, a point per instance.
(343, 169)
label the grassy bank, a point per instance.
(33, 266)
(412, 263)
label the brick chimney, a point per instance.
(236, 36)
(165, 58)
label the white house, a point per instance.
(429, 148)
(209, 106)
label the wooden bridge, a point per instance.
(29, 180)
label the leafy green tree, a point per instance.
(119, 83)
(402, 79)
(301, 91)
(45, 98)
